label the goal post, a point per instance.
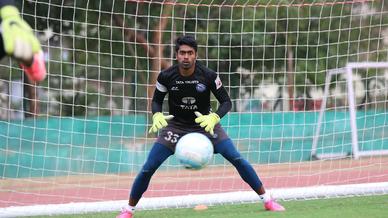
(355, 150)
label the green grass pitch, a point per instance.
(350, 207)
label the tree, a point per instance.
(155, 51)
(128, 42)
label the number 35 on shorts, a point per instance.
(171, 137)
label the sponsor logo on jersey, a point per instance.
(218, 82)
(189, 107)
(191, 81)
(189, 103)
(174, 88)
(188, 100)
(200, 87)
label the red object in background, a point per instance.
(298, 104)
(316, 104)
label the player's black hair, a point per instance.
(186, 40)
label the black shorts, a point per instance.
(170, 135)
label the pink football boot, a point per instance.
(37, 71)
(272, 205)
(125, 214)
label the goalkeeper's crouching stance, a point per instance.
(189, 85)
(18, 41)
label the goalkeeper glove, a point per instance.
(207, 121)
(159, 121)
(21, 43)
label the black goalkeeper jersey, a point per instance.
(189, 94)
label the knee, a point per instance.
(149, 168)
(147, 172)
(240, 161)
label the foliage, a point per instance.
(256, 35)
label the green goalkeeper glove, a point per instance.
(19, 39)
(207, 121)
(159, 121)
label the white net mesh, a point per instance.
(81, 135)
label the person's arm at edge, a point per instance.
(6, 2)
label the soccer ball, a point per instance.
(194, 151)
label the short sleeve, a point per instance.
(160, 83)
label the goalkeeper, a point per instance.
(18, 41)
(188, 85)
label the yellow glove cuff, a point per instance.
(157, 114)
(9, 11)
(215, 116)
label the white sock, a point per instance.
(265, 197)
(130, 208)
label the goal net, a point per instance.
(362, 96)
(75, 142)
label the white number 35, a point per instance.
(172, 137)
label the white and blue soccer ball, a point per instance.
(194, 151)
